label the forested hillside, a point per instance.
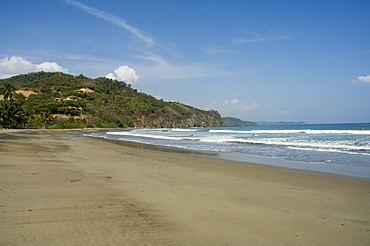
(58, 100)
(232, 121)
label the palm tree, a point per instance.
(11, 115)
(46, 119)
(7, 90)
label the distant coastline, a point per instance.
(233, 121)
(281, 123)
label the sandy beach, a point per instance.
(57, 188)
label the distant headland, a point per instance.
(59, 100)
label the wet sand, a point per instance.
(59, 189)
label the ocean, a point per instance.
(334, 148)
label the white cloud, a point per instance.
(361, 80)
(110, 76)
(252, 106)
(15, 65)
(214, 104)
(232, 102)
(246, 111)
(234, 107)
(51, 67)
(18, 65)
(124, 73)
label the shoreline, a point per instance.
(61, 189)
(334, 168)
(248, 160)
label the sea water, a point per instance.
(335, 148)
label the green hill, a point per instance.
(232, 121)
(77, 101)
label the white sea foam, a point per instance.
(132, 134)
(352, 132)
(343, 145)
(218, 140)
(183, 130)
(348, 146)
(229, 131)
(329, 150)
(306, 131)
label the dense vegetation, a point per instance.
(232, 121)
(58, 100)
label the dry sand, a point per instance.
(57, 189)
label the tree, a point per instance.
(7, 90)
(46, 119)
(11, 115)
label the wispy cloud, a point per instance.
(243, 40)
(153, 64)
(235, 107)
(220, 50)
(114, 20)
(249, 37)
(253, 37)
(158, 68)
(280, 113)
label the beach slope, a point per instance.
(57, 188)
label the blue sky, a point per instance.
(255, 60)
